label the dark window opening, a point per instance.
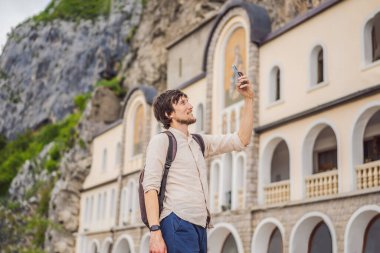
(275, 242)
(375, 37)
(371, 149)
(320, 239)
(327, 160)
(371, 236)
(229, 245)
(278, 85)
(320, 67)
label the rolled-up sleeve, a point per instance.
(155, 160)
(219, 144)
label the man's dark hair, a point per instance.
(163, 105)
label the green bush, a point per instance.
(37, 226)
(74, 10)
(51, 165)
(55, 152)
(113, 84)
(44, 192)
(80, 101)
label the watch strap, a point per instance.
(155, 228)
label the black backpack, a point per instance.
(170, 156)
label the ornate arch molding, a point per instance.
(356, 227)
(262, 234)
(300, 235)
(219, 233)
(129, 241)
(148, 92)
(260, 24)
(139, 95)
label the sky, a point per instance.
(13, 12)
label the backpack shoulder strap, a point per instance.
(170, 156)
(198, 138)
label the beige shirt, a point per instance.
(186, 188)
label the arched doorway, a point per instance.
(320, 239)
(371, 236)
(124, 244)
(224, 238)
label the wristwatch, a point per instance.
(155, 228)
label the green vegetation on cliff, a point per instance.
(27, 146)
(74, 10)
(114, 84)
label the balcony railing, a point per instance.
(322, 184)
(368, 175)
(277, 192)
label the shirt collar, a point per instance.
(179, 133)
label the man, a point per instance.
(182, 224)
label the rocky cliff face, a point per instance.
(44, 65)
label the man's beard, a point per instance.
(187, 121)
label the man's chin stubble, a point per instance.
(187, 122)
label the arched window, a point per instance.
(280, 163)
(229, 245)
(371, 140)
(275, 242)
(104, 205)
(239, 183)
(112, 204)
(138, 130)
(104, 161)
(227, 182)
(372, 39)
(275, 84)
(317, 65)
(320, 67)
(214, 187)
(320, 239)
(371, 236)
(325, 151)
(86, 211)
(200, 118)
(94, 248)
(118, 155)
(131, 201)
(235, 52)
(123, 210)
(99, 206)
(91, 209)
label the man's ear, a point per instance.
(168, 116)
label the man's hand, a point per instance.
(244, 87)
(157, 243)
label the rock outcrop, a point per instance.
(45, 65)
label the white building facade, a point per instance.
(308, 182)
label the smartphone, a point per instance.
(236, 71)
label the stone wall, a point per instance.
(339, 210)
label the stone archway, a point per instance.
(124, 244)
(224, 238)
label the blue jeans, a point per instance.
(181, 236)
